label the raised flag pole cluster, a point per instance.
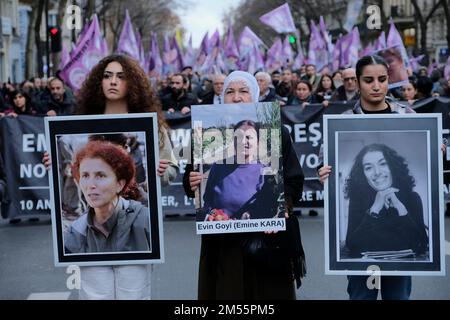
(216, 55)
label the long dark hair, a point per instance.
(356, 183)
(140, 95)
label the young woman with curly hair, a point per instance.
(117, 84)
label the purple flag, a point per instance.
(246, 40)
(76, 70)
(214, 41)
(214, 51)
(273, 61)
(323, 31)
(155, 62)
(256, 61)
(431, 67)
(220, 65)
(81, 37)
(279, 19)
(380, 43)
(179, 61)
(414, 62)
(328, 43)
(189, 57)
(231, 49)
(350, 46)
(128, 43)
(317, 53)
(287, 53)
(65, 56)
(395, 39)
(354, 47)
(336, 58)
(170, 56)
(142, 60)
(202, 53)
(366, 51)
(346, 42)
(84, 35)
(299, 60)
(447, 69)
(205, 43)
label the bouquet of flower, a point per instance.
(217, 215)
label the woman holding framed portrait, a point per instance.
(118, 85)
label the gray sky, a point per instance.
(234, 113)
(204, 15)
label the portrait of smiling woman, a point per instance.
(238, 187)
(385, 213)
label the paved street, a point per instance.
(27, 271)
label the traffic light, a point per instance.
(55, 39)
(292, 39)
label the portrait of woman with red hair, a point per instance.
(115, 220)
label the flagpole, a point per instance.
(297, 36)
(47, 45)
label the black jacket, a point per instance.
(61, 108)
(208, 97)
(186, 100)
(340, 95)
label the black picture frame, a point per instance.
(81, 127)
(417, 140)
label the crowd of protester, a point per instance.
(178, 92)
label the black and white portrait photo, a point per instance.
(383, 202)
(383, 196)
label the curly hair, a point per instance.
(140, 95)
(117, 158)
(356, 183)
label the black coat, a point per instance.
(340, 95)
(186, 100)
(208, 97)
(63, 108)
(272, 96)
(386, 231)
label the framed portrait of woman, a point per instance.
(238, 153)
(104, 191)
(384, 199)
